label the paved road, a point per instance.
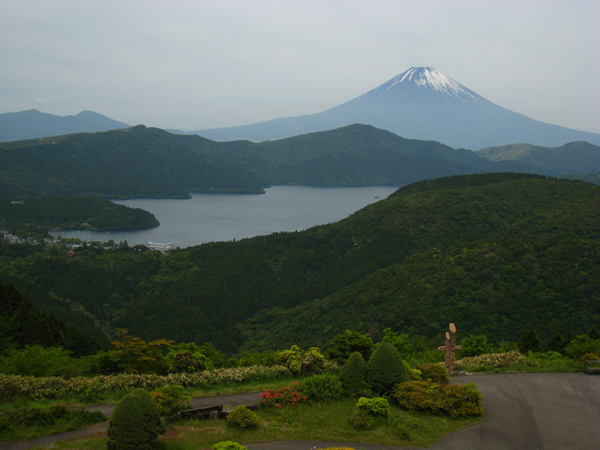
(522, 411)
(528, 411)
(551, 411)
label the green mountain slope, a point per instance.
(494, 253)
(135, 162)
(39, 215)
(22, 324)
(148, 162)
(571, 158)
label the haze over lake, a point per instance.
(225, 217)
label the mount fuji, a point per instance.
(421, 103)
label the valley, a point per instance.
(482, 250)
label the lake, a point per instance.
(225, 217)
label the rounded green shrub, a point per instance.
(242, 418)
(300, 362)
(171, 399)
(385, 370)
(185, 361)
(455, 401)
(135, 422)
(321, 388)
(376, 407)
(413, 374)
(313, 361)
(434, 373)
(228, 445)
(353, 375)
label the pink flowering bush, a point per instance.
(288, 395)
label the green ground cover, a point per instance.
(42, 421)
(324, 421)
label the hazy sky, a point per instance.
(202, 64)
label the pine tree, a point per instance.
(529, 342)
(385, 370)
(135, 422)
(353, 375)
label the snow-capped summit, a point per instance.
(426, 79)
(420, 103)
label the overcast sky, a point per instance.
(201, 64)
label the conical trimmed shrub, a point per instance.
(353, 375)
(385, 370)
(135, 422)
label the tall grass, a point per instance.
(14, 386)
(516, 362)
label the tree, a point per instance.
(581, 345)
(135, 422)
(186, 361)
(216, 357)
(353, 375)
(136, 355)
(556, 344)
(301, 362)
(385, 370)
(345, 344)
(400, 341)
(475, 345)
(529, 342)
(39, 361)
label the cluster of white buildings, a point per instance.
(163, 248)
(12, 239)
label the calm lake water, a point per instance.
(224, 217)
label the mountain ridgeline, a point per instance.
(34, 124)
(149, 162)
(420, 103)
(497, 254)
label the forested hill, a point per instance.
(134, 162)
(21, 324)
(35, 217)
(497, 254)
(148, 162)
(568, 159)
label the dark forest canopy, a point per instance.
(22, 324)
(497, 254)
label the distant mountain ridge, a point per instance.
(421, 103)
(149, 162)
(571, 158)
(33, 124)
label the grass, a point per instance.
(534, 362)
(322, 422)
(18, 403)
(555, 368)
(35, 422)
(256, 386)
